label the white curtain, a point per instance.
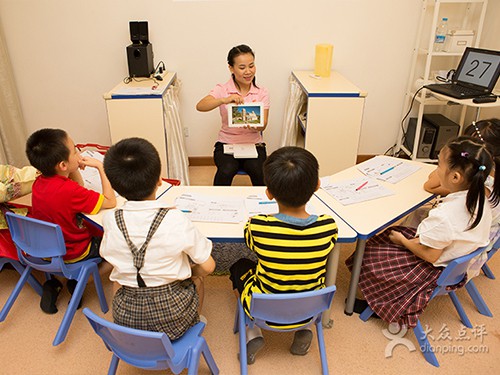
(12, 128)
(177, 159)
(296, 98)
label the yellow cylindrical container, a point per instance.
(323, 60)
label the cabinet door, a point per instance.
(138, 118)
(332, 133)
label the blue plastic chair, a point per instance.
(454, 273)
(152, 350)
(20, 268)
(40, 245)
(487, 271)
(286, 308)
(471, 287)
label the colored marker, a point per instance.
(186, 211)
(362, 185)
(390, 169)
(267, 202)
(387, 170)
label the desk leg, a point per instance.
(331, 276)
(356, 269)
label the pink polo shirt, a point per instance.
(238, 135)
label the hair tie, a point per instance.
(477, 131)
(464, 154)
(482, 168)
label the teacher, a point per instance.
(240, 89)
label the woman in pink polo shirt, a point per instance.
(240, 89)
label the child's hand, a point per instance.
(396, 237)
(90, 162)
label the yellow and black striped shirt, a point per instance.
(291, 258)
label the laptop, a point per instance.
(476, 75)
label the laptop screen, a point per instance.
(479, 67)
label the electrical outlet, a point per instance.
(186, 132)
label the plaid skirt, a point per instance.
(170, 308)
(396, 283)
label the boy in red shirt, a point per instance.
(58, 196)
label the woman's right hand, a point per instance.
(233, 98)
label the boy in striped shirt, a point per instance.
(292, 246)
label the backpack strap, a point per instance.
(139, 254)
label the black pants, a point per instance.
(228, 166)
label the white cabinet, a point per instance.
(330, 119)
(426, 63)
(139, 109)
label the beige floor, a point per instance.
(353, 347)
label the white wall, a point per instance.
(66, 54)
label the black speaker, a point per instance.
(143, 32)
(140, 60)
(134, 32)
(446, 130)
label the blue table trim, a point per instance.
(155, 96)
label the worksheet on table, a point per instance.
(387, 169)
(355, 191)
(215, 209)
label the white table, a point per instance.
(334, 110)
(97, 218)
(233, 232)
(370, 217)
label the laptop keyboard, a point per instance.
(461, 90)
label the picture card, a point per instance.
(248, 114)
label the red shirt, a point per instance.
(58, 199)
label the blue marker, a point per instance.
(267, 202)
(186, 211)
(388, 170)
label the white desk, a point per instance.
(369, 217)
(233, 232)
(334, 115)
(97, 218)
(465, 103)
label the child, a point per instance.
(151, 247)
(58, 196)
(400, 266)
(292, 246)
(488, 132)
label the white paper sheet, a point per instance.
(355, 191)
(91, 177)
(215, 209)
(388, 169)
(259, 204)
(245, 151)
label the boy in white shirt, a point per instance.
(159, 257)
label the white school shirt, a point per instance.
(167, 256)
(446, 228)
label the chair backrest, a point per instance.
(455, 271)
(495, 246)
(36, 241)
(140, 348)
(289, 308)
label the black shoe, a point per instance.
(360, 305)
(253, 347)
(50, 291)
(301, 342)
(71, 285)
